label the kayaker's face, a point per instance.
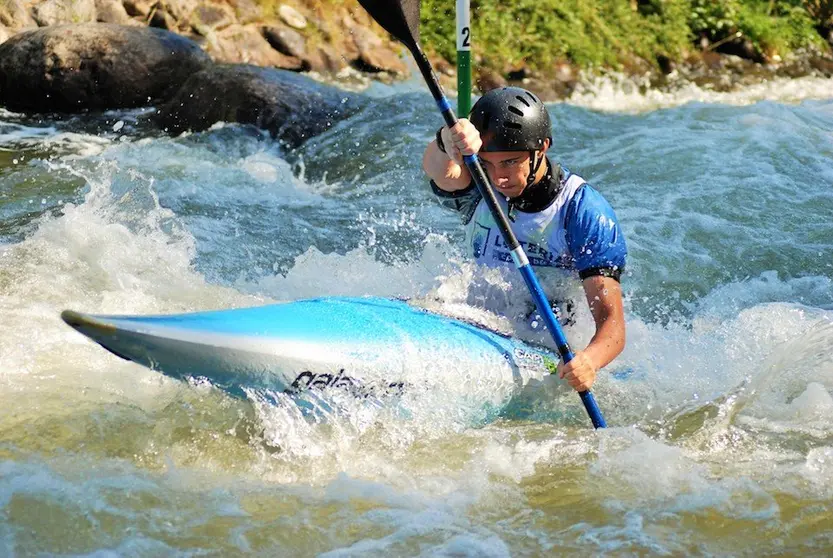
(508, 171)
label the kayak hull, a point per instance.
(347, 347)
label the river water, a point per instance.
(721, 406)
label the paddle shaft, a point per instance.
(518, 254)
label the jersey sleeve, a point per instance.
(462, 201)
(594, 237)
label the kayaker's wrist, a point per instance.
(440, 143)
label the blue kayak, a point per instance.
(346, 347)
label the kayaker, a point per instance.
(559, 219)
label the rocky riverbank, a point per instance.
(74, 68)
(203, 61)
(232, 31)
(198, 62)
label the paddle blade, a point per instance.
(400, 18)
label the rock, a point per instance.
(564, 73)
(341, 39)
(292, 17)
(822, 65)
(712, 60)
(15, 15)
(247, 11)
(161, 19)
(112, 11)
(374, 56)
(743, 48)
(558, 90)
(486, 80)
(210, 16)
(666, 65)
(244, 44)
(94, 66)
(286, 40)
(56, 12)
(292, 107)
(443, 66)
(179, 9)
(325, 58)
(518, 73)
(736, 64)
(382, 60)
(363, 37)
(138, 8)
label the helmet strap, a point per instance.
(534, 165)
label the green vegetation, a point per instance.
(773, 27)
(620, 33)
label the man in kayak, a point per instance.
(560, 220)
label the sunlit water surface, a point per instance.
(721, 438)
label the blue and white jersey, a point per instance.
(578, 230)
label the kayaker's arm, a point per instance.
(447, 170)
(604, 295)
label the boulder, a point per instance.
(56, 12)
(822, 65)
(247, 11)
(374, 56)
(443, 66)
(162, 19)
(565, 73)
(139, 8)
(486, 80)
(112, 11)
(15, 15)
(244, 44)
(209, 16)
(325, 58)
(94, 66)
(292, 107)
(286, 40)
(292, 17)
(179, 9)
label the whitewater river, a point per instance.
(721, 407)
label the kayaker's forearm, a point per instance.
(607, 344)
(604, 296)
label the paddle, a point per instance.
(400, 18)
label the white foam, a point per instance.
(101, 256)
(620, 93)
(647, 469)
(358, 273)
(634, 468)
(793, 393)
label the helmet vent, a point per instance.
(514, 125)
(531, 96)
(516, 110)
(524, 101)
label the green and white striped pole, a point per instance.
(463, 58)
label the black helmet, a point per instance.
(511, 119)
